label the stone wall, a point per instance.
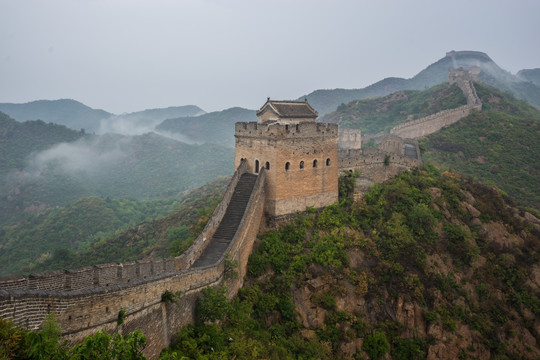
(300, 159)
(374, 166)
(349, 139)
(135, 287)
(106, 275)
(433, 123)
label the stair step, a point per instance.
(230, 222)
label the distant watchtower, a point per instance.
(298, 154)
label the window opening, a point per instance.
(267, 165)
(328, 162)
(315, 163)
(301, 164)
(256, 166)
(287, 166)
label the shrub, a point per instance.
(213, 305)
(376, 345)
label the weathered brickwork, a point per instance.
(300, 159)
(374, 166)
(349, 139)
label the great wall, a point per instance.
(433, 123)
(284, 162)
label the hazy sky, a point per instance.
(130, 55)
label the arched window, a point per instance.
(287, 166)
(315, 163)
(328, 162)
(267, 165)
(301, 164)
(256, 166)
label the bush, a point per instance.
(213, 305)
(376, 345)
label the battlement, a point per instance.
(279, 131)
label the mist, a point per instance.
(85, 155)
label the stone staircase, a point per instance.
(230, 222)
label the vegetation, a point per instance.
(412, 241)
(141, 167)
(55, 235)
(46, 344)
(381, 114)
(96, 231)
(498, 145)
(19, 140)
(323, 280)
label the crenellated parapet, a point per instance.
(282, 131)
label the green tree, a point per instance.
(12, 338)
(376, 345)
(103, 346)
(46, 344)
(213, 305)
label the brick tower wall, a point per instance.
(295, 188)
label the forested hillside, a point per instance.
(18, 140)
(498, 144)
(116, 166)
(55, 234)
(382, 113)
(97, 231)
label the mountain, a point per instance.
(380, 114)
(215, 127)
(167, 235)
(70, 113)
(478, 63)
(18, 140)
(117, 166)
(532, 75)
(428, 265)
(498, 144)
(55, 234)
(141, 122)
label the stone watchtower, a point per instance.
(299, 156)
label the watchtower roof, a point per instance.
(289, 109)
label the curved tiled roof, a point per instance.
(289, 109)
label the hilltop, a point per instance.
(18, 140)
(68, 112)
(325, 101)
